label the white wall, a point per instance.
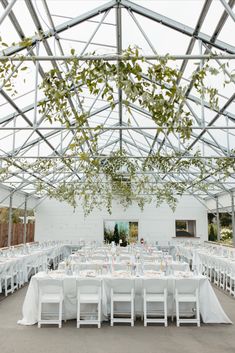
(58, 221)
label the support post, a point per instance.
(10, 221)
(119, 51)
(217, 218)
(233, 216)
(25, 219)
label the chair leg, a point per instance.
(145, 312)
(78, 314)
(165, 312)
(6, 292)
(60, 314)
(177, 313)
(232, 287)
(12, 284)
(198, 313)
(99, 313)
(132, 312)
(111, 313)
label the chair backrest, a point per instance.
(50, 286)
(187, 285)
(14, 267)
(155, 285)
(122, 285)
(88, 285)
(39, 260)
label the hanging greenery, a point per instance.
(96, 181)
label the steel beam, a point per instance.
(115, 57)
(182, 28)
(19, 30)
(228, 9)
(119, 52)
(56, 131)
(111, 127)
(233, 216)
(62, 27)
(217, 218)
(197, 28)
(7, 11)
(10, 221)
(25, 219)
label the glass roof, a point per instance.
(157, 28)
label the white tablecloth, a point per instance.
(211, 310)
(95, 265)
(22, 260)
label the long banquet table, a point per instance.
(24, 259)
(123, 265)
(202, 257)
(219, 256)
(210, 308)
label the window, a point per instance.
(123, 232)
(185, 228)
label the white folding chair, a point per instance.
(155, 291)
(89, 292)
(230, 283)
(208, 267)
(42, 264)
(10, 278)
(33, 266)
(224, 271)
(216, 272)
(21, 274)
(122, 291)
(50, 292)
(187, 291)
(55, 258)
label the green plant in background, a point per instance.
(225, 219)
(226, 234)
(212, 232)
(17, 215)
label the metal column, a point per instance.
(10, 221)
(25, 220)
(119, 51)
(217, 218)
(233, 216)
